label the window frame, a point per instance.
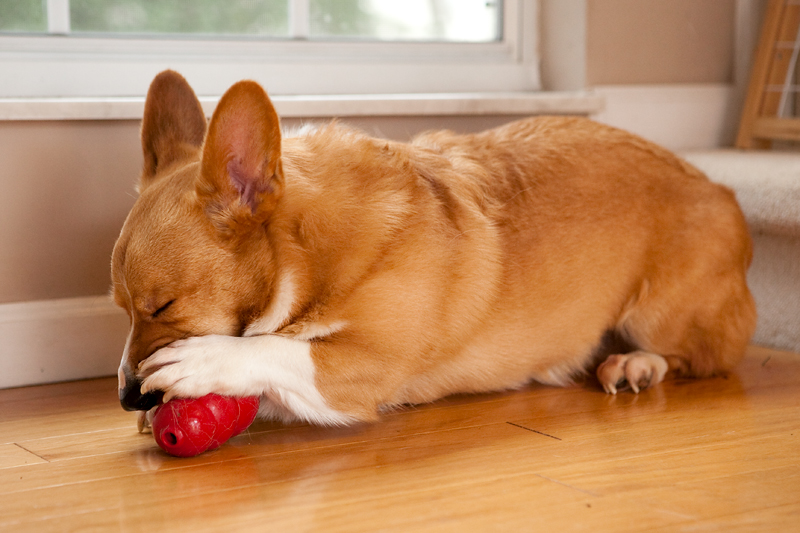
(57, 66)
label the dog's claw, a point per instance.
(612, 373)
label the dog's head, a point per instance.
(185, 263)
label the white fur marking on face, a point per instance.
(279, 311)
(278, 368)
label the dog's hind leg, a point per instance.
(682, 329)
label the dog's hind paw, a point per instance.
(639, 370)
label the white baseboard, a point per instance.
(60, 340)
(678, 117)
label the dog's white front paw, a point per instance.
(187, 368)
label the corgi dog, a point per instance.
(336, 275)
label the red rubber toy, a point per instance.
(185, 428)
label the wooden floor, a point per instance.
(720, 454)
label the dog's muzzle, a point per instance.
(132, 399)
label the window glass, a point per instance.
(23, 16)
(406, 20)
(477, 21)
(229, 17)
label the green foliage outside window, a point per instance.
(233, 17)
(23, 15)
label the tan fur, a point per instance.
(455, 263)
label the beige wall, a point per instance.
(588, 43)
(659, 41)
(66, 187)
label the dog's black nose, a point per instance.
(132, 399)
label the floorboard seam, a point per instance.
(532, 430)
(18, 445)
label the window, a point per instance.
(381, 20)
(114, 47)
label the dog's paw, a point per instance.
(639, 370)
(188, 368)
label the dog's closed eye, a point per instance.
(161, 310)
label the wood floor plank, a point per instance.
(266, 441)
(518, 503)
(766, 367)
(726, 495)
(779, 518)
(443, 456)
(295, 510)
(452, 495)
(635, 473)
(61, 409)
(87, 444)
(635, 429)
(13, 455)
(456, 452)
(453, 413)
(55, 393)
(688, 455)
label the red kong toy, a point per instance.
(185, 428)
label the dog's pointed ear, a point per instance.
(173, 125)
(241, 178)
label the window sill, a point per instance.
(323, 106)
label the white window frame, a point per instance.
(64, 66)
